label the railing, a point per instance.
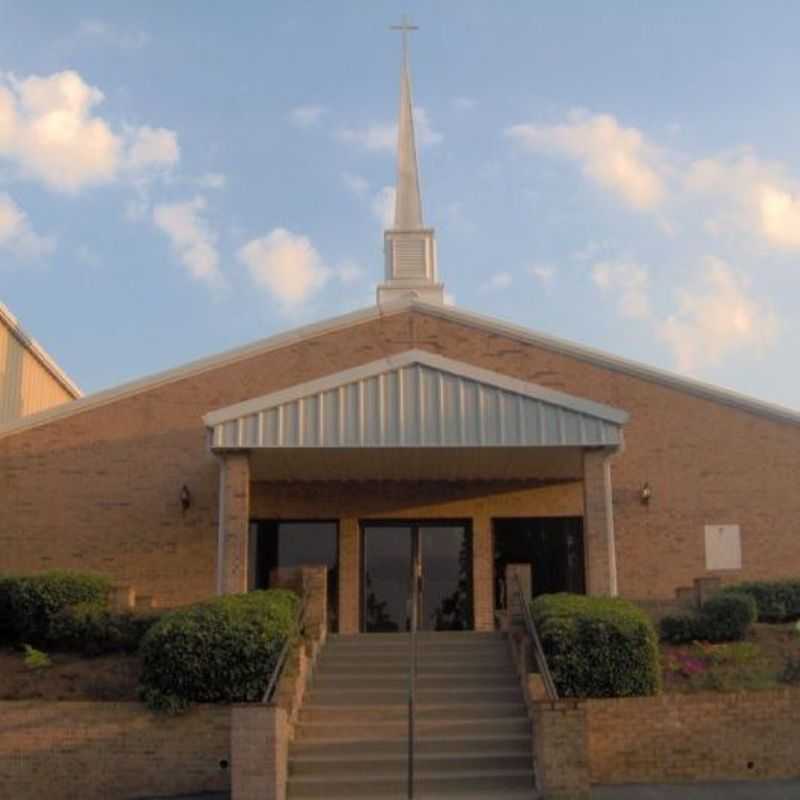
(297, 629)
(538, 651)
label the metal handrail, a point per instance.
(538, 650)
(297, 628)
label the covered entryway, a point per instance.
(335, 447)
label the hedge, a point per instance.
(598, 646)
(726, 617)
(221, 651)
(29, 603)
(776, 601)
(92, 630)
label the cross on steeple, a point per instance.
(405, 26)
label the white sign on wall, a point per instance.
(723, 547)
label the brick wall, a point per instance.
(676, 738)
(109, 751)
(100, 490)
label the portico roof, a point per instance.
(416, 400)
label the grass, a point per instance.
(759, 662)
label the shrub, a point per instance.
(597, 646)
(28, 604)
(726, 617)
(791, 671)
(36, 659)
(222, 651)
(777, 601)
(93, 630)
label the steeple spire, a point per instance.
(408, 202)
(409, 247)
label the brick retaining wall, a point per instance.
(110, 751)
(709, 736)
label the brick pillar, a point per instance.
(560, 750)
(482, 574)
(259, 752)
(349, 576)
(598, 524)
(234, 522)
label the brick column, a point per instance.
(259, 752)
(349, 576)
(598, 524)
(560, 750)
(482, 573)
(234, 512)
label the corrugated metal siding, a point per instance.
(415, 406)
(25, 385)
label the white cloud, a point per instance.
(285, 264)
(383, 206)
(630, 284)
(357, 184)
(212, 180)
(50, 132)
(463, 103)
(17, 234)
(543, 273)
(348, 272)
(382, 136)
(753, 195)
(716, 316)
(619, 159)
(152, 147)
(109, 34)
(193, 241)
(498, 281)
(306, 116)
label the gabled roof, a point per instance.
(416, 399)
(38, 352)
(451, 313)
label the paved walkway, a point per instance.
(729, 790)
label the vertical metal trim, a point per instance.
(521, 426)
(341, 397)
(360, 412)
(320, 419)
(440, 385)
(420, 403)
(481, 413)
(240, 432)
(462, 412)
(540, 420)
(279, 426)
(501, 416)
(561, 432)
(300, 422)
(401, 417)
(582, 428)
(381, 409)
(260, 429)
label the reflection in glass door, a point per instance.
(442, 552)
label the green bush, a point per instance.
(92, 630)
(598, 646)
(28, 603)
(726, 617)
(222, 651)
(777, 601)
(680, 629)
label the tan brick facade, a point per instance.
(100, 489)
(98, 751)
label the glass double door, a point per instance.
(424, 563)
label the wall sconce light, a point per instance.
(645, 493)
(186, 498)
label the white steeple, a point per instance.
(409, 247)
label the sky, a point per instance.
(177, 179)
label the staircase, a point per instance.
(472, 730)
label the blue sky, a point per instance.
(177, 179)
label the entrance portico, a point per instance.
(413, 420)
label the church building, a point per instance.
(408, 438)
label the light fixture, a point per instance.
(645, 493)
(186, 498)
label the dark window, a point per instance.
(553, 546)
(294, 544)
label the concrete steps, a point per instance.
(472, 729)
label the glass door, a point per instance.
(441, 552)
